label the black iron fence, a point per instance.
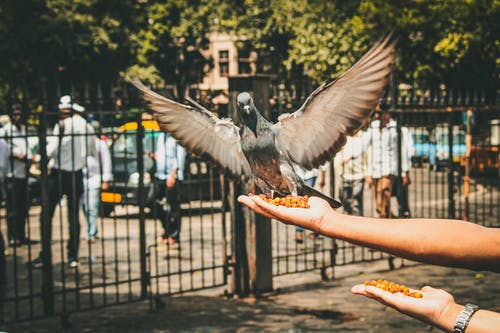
(452, 159)
(55, 262)
(453, 172)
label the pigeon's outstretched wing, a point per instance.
(199, 131)
(314, 133)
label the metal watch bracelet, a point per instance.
(464, 318)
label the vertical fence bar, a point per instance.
(239, 283)
(451, 171)
(46, 227)
(142, 204)
(468, 145)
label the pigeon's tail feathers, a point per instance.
(308, 190)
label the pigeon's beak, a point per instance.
(246, 109)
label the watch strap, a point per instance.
(464, 318)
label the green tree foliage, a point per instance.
(452, 42)
(41, 41)
(168, 46)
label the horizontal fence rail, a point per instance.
(129, 258)
(453, 159)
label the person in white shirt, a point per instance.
(170, 158)
(96, 177)
(382, 140)
(309, 177)
(17, 165)
(72, 141)
(352, 165)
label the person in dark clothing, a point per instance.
(3, 267)
(16, 181)
(72, 141)
(170, 158)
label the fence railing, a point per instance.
(131, 259)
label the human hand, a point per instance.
(369, 181)
(311, 218)
(104, 186)
(406, 180)
(18, 156)
(436, 306)
(170, 182)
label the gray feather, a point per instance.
(199, 131)
(318, 130)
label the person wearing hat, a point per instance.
(16, 172)
(73, 139)
(383, 169)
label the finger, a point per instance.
(279, 212)
(366, 291)
(359, 289)
(247, 201)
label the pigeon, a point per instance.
(268, 154)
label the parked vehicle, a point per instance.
(421, 146)
(443, 149)
(200, 182)
(484, 161)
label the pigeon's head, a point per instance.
(247, 108)
(245, 103)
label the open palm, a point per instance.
(428, 308)
(309, 218)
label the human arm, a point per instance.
(177, 173)
(90, 144)
(406, 153)
(367, 158)
(53, 142)
(435, 241)
(160, 159)
(171, 178)
(106, 166)
(322, 175)
(436, 307)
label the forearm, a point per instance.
(437, 241)
(482, 321)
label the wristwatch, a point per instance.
(464, 318)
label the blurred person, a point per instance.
(382, 140)
(352, 165)
(432, 148)
(401, 184)
(432, 241)
(96, 177)
(16, 173)
(170, 158)
(3, 267)
(4, 152)
(309, 177)
(72, 141)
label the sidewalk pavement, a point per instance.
(301, 303)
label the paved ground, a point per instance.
(109, 273)
(302, 304)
